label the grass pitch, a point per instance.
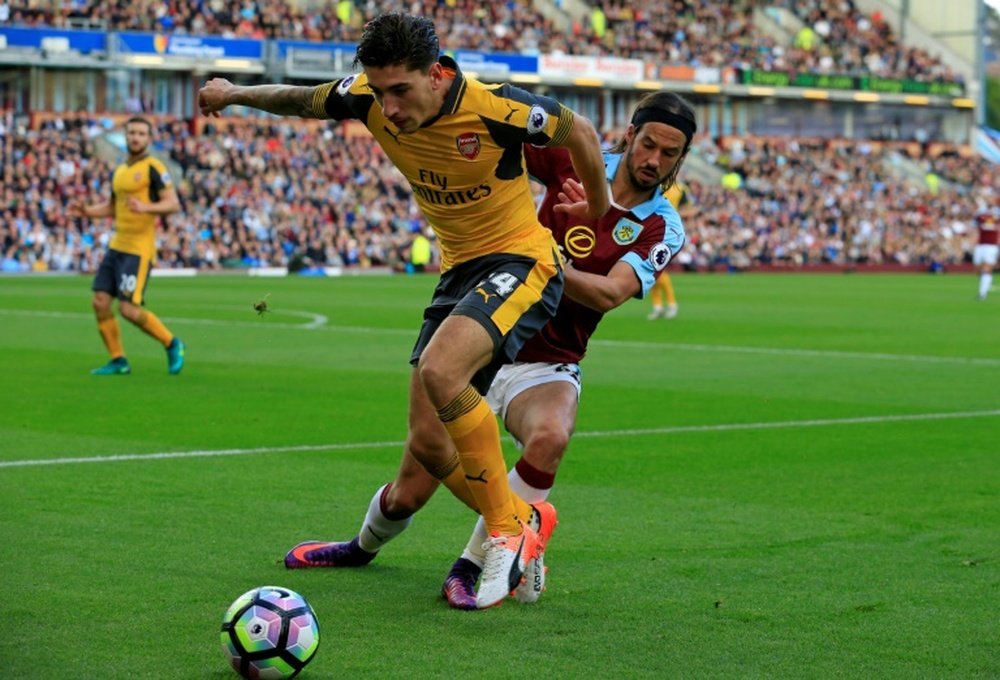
(798, 477)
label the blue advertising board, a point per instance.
(83, 42)
(283, 47)
(189, 46)
(495, 63)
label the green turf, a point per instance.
(771, 485)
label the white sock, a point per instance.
(474, 548)
(377, 529)
(524, 490)
(985, 282)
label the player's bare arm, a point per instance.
(94, 210)
(167, 205)
(588, 162)
(602, 293)
(282, 100)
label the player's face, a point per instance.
(409, 98)
(137, 138)
(653, 151)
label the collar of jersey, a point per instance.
(141, 158)
(643, 210)
(454, 96)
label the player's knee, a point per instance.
(437, 377)
(101, 305)
(545, 447)
(130, 311)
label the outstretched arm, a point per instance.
(282, 100)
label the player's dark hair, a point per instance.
(140, 119)
(396, 38)
(670, 109)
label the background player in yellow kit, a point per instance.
(662, 295)
(141, 192)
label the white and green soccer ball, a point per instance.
(269, 633)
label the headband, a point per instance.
(653, 114)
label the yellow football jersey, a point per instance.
(144, 179)
(677, 195)
(466, 165)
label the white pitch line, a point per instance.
(727, 427)
(315, 320)
(199, 454)
(320, 322)
(680, 429)
(791, 351)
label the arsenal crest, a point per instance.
(468, 145)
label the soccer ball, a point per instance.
(269, 632)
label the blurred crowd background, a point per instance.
(306, 195)
(837, 37)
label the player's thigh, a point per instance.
(123, 275)
(513, 301)
(459, 348)
(985, 255)
(510, 296)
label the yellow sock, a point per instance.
(112, 335)
(522, 509)
(152, 325)
(668, 286)
(453, 476)
(655, 294)
(459, 487)
(474, 431)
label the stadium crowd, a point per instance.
(836, 37)
(796, 202)
(309, 195)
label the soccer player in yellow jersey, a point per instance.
(663, 289)
(141, 192)
(615, 258)
(459, 144)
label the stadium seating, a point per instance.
(683, 32)
(308, 194)
(296, 194)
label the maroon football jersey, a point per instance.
(645, 237)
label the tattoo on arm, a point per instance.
(283, 100)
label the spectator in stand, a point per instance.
(420, 251)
